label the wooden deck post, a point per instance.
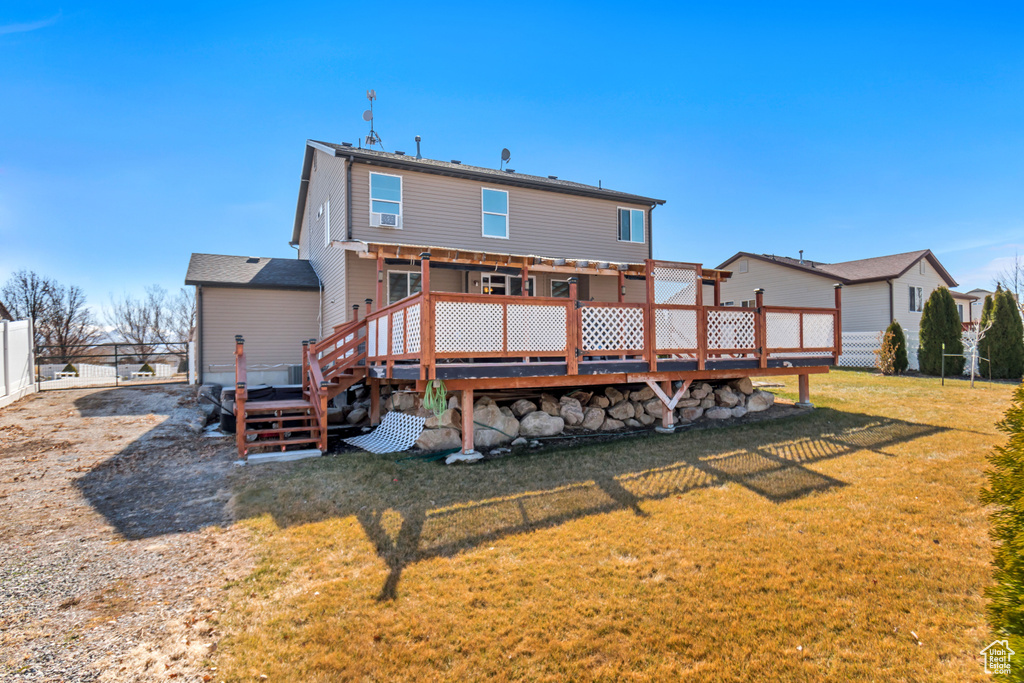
(805, 391)
(305, 367)
(526, 280)
(837, 329)
(369, 306)
(718, 290)
(668, 415)
(622, 286)
(240, 396)
(650, 354)
(355, 312)
(374, 402)
(380, 280)
(426, 319)
(760, 328)
(573, 333)
(466, 403)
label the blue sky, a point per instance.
(134, 134)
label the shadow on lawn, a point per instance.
(425, 510)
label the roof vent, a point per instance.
(801, 257)
(510, 170)
(346, 144)
(553, 177)
(401, 154)
(456, 161)
(252, 259)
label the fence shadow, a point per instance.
(425, 510)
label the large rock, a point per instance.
(483, 402)
(582, 396)
(621, 411)
(600, 402)
(450, 418)
(688, 403)
(760, 400)
(725, 397)
(690, 414)
(646, 420)
(523, 407)
(506, 411)
(453, 402)
(742, 385)
(739, 411)
(493, 427)
(571, 411)
(638, 408)
(357, 415)
(404, 401)
(708, 402)
(613, 394)
(633, 424)
(540, 423)
(439, 439)
(703, 390)
(645, 394)
(718, 413)
(654, 407)
(549, 404)
(593, 418)
(336, 416)
(611, 424)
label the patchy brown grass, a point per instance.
(845, 544)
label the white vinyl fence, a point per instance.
(15, 361)
(859, 350)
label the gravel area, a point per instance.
(115, 538)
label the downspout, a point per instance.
(891, 306)
(348, 197)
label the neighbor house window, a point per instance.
(922, 268)
(494, 204)
(916, 299)
(960, 311)
(749, 303)
(631, 225)
(385, 200)
(402, 284)
(560, 288)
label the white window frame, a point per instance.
(643, 227)
(748, 303)
(508, 210)
(916, 299)
(387, 276)
(553, 288)
(960, 311)
(327, 223)
(922, 268)
(401, 199)
(508, 283)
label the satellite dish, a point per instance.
(368, 115)
(505, 154)
(371, 95)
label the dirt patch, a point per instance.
(115, 541)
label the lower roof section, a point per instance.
(221, 270)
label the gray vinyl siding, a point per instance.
(446, 212)
(362, 280)
(326, 182)
(273, 322)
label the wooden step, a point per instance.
(281, 442)
(263, 432)
(263, 417)
(270, 406)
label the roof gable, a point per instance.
(855, 272)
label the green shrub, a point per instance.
(1005, 491)
(940, 324)
(899, 342)
(1003, 344)
(70, 368)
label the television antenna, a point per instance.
(372, 138)
(505, 156)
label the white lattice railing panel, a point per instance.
(612, 327)
(536, 328)
(675, 329)
(413, 344)
(731, 329)
(398, 332)
(783, 330)
(675, 286)
(371, 339)
(382, 336)
(819, 330)
(467, 327)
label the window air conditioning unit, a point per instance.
(385, 220)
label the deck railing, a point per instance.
(674, 324)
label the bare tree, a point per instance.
(181, 323)
(1012, 278)
(69, 325)
(140, 323)
(30, 295)
(972, 344)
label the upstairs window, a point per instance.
(494, 204)
(916, 299)
(385, 200)
(631, 225)
(922, 268)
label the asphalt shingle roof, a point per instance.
(861, 270)
(247, 271)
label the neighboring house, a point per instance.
(273, 303)
(4, 314)
(978, 303)
(876, 291)
(964, 305)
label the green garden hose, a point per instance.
(435, 398)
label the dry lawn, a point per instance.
(845, 544)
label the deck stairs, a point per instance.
(288, 429)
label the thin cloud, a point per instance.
(30, 25)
